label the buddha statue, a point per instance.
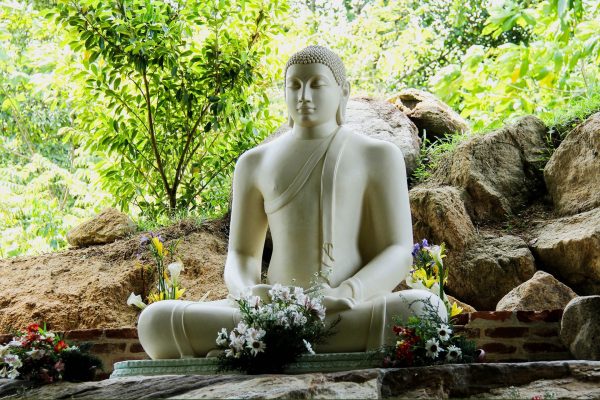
(337, 205)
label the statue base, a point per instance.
(331, 362)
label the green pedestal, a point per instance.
(208, 366)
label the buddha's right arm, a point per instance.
(248, 228)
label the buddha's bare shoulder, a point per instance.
(252, 158)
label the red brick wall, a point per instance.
(504, 335)
(515, 335)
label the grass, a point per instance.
(146, 224)
(432, 152)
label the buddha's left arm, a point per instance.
(390, 211)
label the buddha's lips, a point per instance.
(305, 109)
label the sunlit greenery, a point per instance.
(146, 105)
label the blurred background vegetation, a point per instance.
(145, 105)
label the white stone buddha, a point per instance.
(336, 203)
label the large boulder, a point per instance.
(379, 120)
(489, 269)
(500, 171)
(541, 292)
(106, 227)
(580, 327)
(439, 215)
(569, 248)
(573, 172)
(433, 117)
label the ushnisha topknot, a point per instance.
(320, 55)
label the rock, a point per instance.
(541, 292)
(429, 114)
(88, 288)
(573, 172)
(439, 215)
(489, 269)
(379, 120)
(565, 379)
(569, 248)
(500, 171)
(344, 385)
(106, 227)
(580, 327)
(466, 308)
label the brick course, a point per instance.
(504, 335)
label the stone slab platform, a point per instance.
(553, 379)
(208, 366)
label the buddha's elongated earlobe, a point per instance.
(290, 121)
(340, 115)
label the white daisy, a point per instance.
(257, 346)
(433, 348)
(222, 337)
(444, 332)
(454, 353)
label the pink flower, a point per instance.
(59, 366)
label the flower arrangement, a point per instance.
(429, 272)
(40, 355)
(427, 340)
(272, 335)
(169, 285)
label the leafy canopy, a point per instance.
(172, 94)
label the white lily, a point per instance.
(136, 300)
(436, 254)
(175, 270)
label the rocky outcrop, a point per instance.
(490, 268)
(88, 288)
(439, 215)
(106, 227)
(433, 117)
(499, 172)
(569, 248)
(561, 379)
(580, 327)
(379, 120)
(541, 292)
(573, 172)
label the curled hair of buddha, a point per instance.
(320, 55)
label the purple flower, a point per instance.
(424, 243)
(416, 249)
(145, 240)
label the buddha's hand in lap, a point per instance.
(336, 299)
(262, 290)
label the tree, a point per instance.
(173, 93)
(557, 66)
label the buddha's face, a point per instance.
(312, 94)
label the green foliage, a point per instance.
(172, 95)
(46, 184)
(40, 201)
(557, 66)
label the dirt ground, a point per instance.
(88, 288)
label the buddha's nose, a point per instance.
(305, 94)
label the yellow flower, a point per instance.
(157, 245)
(455, 310)
(179, 292)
